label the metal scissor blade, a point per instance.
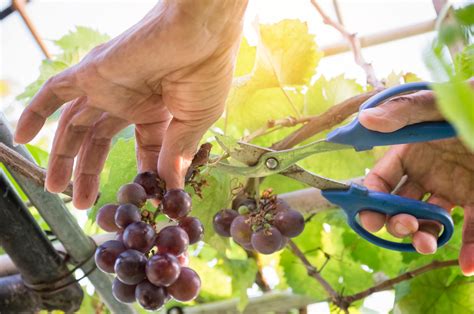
(246, 153)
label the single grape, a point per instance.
(187, 286)
(243, 200)
(106, 218)
(130, 267)
(123, 292)
(173, 240)
(267, 241)
(193, 228)
(290, 223)
(162, 269)
(240, 230)
(150, 297)
(127, 214)
(176, 203)
(281, 205)
(132, 193)
(107, 253)
(222, 221)
(183, 259)
(139, 236)
(151, 183)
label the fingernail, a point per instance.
(377, 112)
(401, 229)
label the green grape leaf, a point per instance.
(245, 59)
(39, 155)
(322, 236)
(82, 38)
(215, 283)
(74, 46)
(216, 196)
(120, 168)
(286, 56)
(436, 292)
(243, 274)
(286, 53)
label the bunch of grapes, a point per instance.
(264, 226)
(150, 266)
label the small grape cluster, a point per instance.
(264, 226)
(151, 267)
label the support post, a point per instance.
(39, 264)
(63, 224)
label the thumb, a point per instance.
(466, 256)
(401, 111)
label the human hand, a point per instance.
(169, 75)
(443, 168)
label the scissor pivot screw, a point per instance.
(271, 163)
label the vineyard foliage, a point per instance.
(278, 78)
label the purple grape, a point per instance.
(151, 183)
(130, 267)
(139, 236)
(183, 259)
(127, 214)
(106, 218)
(240, 230)
(176, 203)
(107, 253)
(173, 240)
(162, 269)
(290, 223)
(222, 221)
(281, 205)
(267, 241)
(150, 297)
(187, 286)
(284, 242)
(123, 292)
(132, 193)
(193, 228)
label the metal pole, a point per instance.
(63, 224)
(41, 267)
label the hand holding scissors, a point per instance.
(350, 197)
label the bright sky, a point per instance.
(20, 56)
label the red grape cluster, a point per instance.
(151, 267)
(264, 228)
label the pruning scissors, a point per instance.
(352, 198)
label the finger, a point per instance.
(401, 111)
(384, 177)
(73, 127)
(57, 90)
(425, 240)
(150, 139)
(402, 225)
(91, 159)
(466, 255)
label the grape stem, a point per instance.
(343, 302)
(354, 43)
(25, 167)
(38, 175)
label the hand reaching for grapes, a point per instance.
(445, 169)
(169, 75)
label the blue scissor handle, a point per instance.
(358, 198)
(360, 138)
